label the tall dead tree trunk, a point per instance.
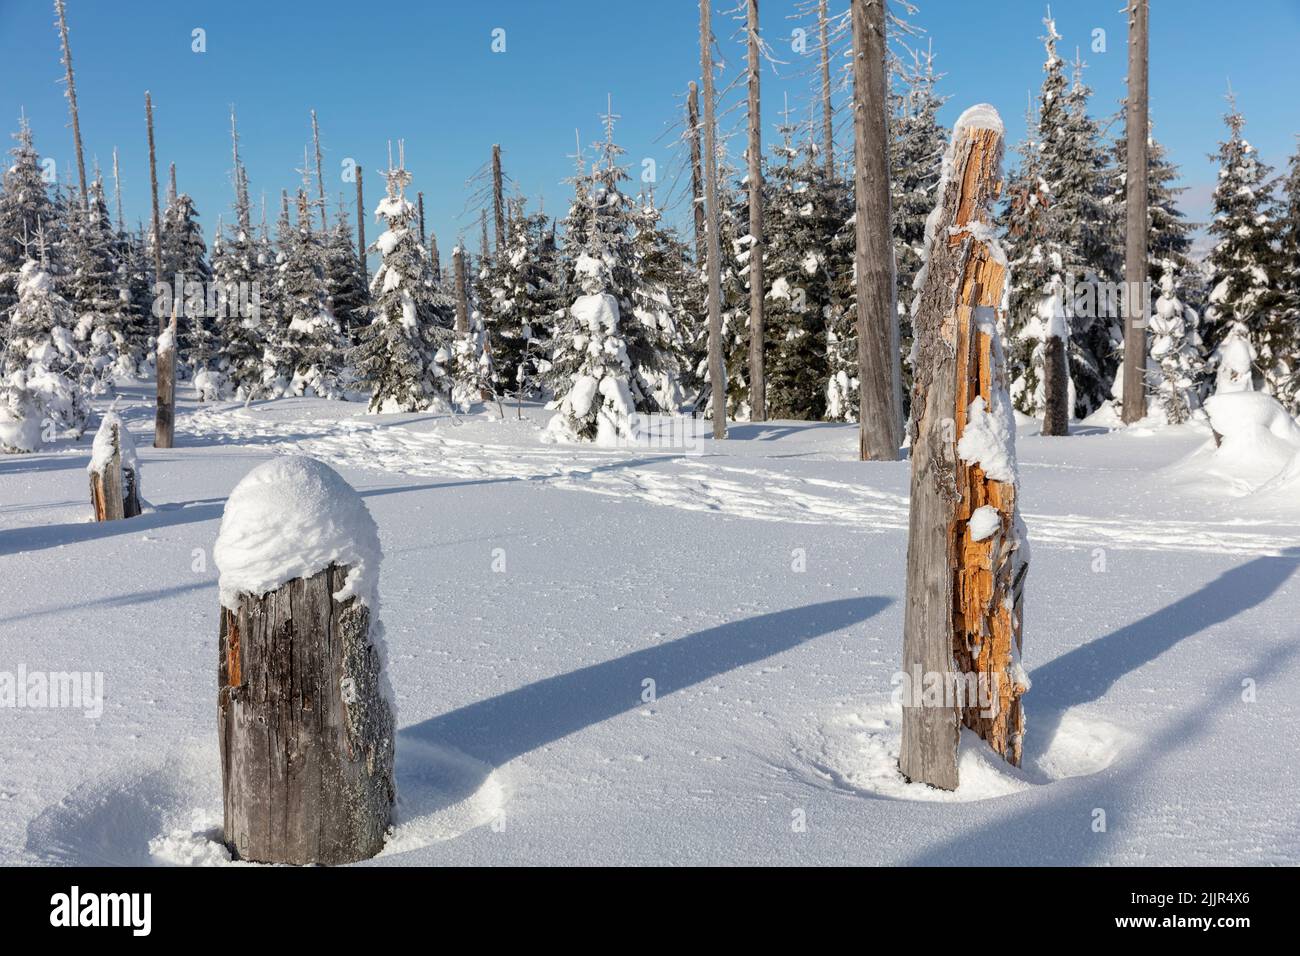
(462, 297)
(879, 375)
(498, 200)
(164, 428)
(361, 224)
(965, 563)
(717, 377)
(117, 194)
(320, 172)
(1056, 387)
(697, 174)
(72, 102)
(419, 211)
(828, 120)
(1135, 214)
(757, 379)
(157, 216)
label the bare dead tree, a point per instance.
(117, 193)
(717, 378)
(697, 174)
(419, 205)
(828, 115)
(1135, 215)
(153, 187)
(320, 175)
(71, 93)
(462, 298)
(498, 204)
(879, 375)
(754, 154)
(361, 222)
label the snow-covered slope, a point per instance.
(654, 655)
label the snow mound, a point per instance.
(979, 116)
(289, 518)
(858, 751)
(1258, 440)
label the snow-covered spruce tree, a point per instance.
(805, 255)
(916, 146)
(405, 353)
(240, 331)
(597, 403)
(517, 299)
(95, 291)
(311, 349)
(1234, 361)
(474, 375)
(345, 279)
(25, 209)
(136, 282)
(185, 266)
(1288, 307)
(659, 301)
(1244, 260)
(1175, 350)
(601, 225)
(1057, 227)
(41, 355)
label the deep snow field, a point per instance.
(529, 589)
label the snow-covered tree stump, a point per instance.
(114, 472)
(966, 555)
(304, 714)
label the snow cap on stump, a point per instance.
(289, 518)
(101, 450)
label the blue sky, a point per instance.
(426, 72)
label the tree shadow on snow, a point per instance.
(501, 728)
(1057, 828)
(1086, 673)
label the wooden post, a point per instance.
(305, 732)
(966, 544)
(879, 375)
(697, 175)
(757, 380)
(1135, 214)
(717, 377)
(361, 225)
(164, 429)
(498, 201)
(462, 300)
(828, 121)
(114, 472)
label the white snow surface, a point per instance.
(291, 517)
(530, 589)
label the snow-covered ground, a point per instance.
(530, 590)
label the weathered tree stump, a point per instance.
(114, 472)
(966, 545)
(306, 730)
